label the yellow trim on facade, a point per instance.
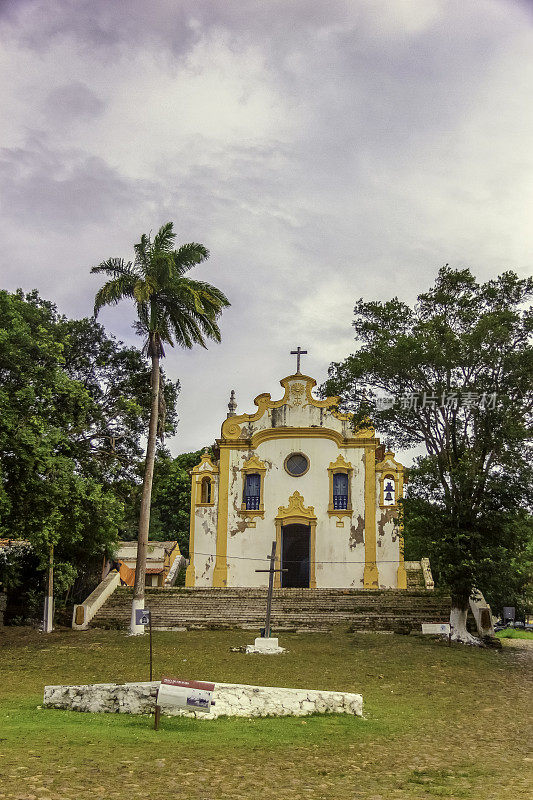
(389, 467)
(205, 469)
(232, 426)
(200, 478)
(346, 468)
(220, 573)
(296, 508)
(305, 433)
(402, 574)
(293, 514)
(253, 465)
(190, 574)
(371, 574)
(205, 461)
(297, 453)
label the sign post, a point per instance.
(144, 617)
(150, 632)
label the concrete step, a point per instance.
(309, 609)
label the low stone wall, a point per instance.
(84, 612)
(231, 699)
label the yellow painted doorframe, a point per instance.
(308, 523)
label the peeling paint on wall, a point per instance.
(387, 515)
(240, 527)
(208, 564)
(357, 532)
(279, 417)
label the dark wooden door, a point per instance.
(295, 556)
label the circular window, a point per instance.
(296, 464)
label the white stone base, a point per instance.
(265, 646)
(231, 699)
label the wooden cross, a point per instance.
(271, 571)
(299, 352)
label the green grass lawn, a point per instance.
(514, 633)
(440, 721)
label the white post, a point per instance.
(48, 621)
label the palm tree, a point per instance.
(170, 309)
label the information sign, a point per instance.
(436, 628)
(192, 695)
(142, 616)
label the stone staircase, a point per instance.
(292, 609)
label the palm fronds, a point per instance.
(170, 308)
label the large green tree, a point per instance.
(48, 493)
(108, 446)
(457, 370)
(116, 379)
(171, 309)
(171, 499)
(74, 405)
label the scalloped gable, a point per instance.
(298, 408)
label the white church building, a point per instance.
(296, 473)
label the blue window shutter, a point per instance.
(340, 483)
(253, 485)
(340, 490)
(252, 491)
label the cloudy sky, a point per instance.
(322, 151)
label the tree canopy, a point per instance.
(73, 402)
(171, 499)
(454, 374)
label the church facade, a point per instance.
(294, 472)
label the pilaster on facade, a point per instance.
(220, 572)
(371, 573)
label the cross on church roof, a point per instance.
(299, 352)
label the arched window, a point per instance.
(389, 491)
(340, 490)
(206, 490)
(252, 491)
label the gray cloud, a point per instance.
(72, 101)
(322, 152)
(61, 189)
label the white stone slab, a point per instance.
(265, 646)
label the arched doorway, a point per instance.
(295, 544)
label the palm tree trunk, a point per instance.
(144, 517)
